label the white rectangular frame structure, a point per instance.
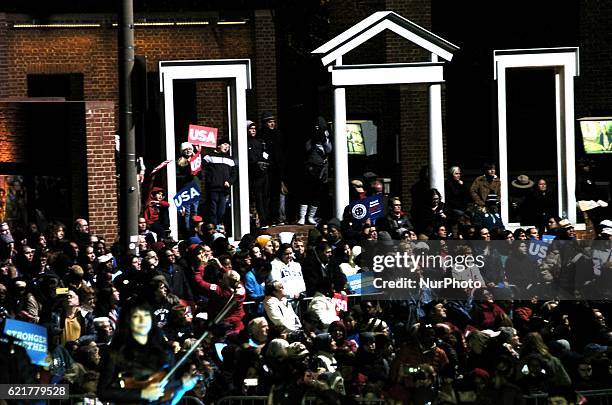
(565, 63)
(238, 74)
(431, 73)
(403, 73)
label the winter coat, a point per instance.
(219, 168)
(317, 164)
(281, 314)
(481, 188)
(457, 195)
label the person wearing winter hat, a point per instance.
(318, 149)
(220, 174)
(259, 172)
(156, 212)
(188, 169)
(275, 146)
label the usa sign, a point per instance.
(203, 136)
(187, 194)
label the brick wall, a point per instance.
(594, 86)
(102, 181)
(264, 74)
(3, 54)
(211, 104)
(93, 53)
(12, 125)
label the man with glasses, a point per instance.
(396, 222)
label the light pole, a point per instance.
(128, 209)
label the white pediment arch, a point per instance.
(429, 72)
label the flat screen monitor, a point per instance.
(361, 137)
(354, 139)
(596, 134)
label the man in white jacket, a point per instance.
(277, 309)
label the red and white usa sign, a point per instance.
(203, 136)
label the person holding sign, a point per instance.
(188, 169)
(219, 175)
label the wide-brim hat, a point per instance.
(522, 181)
(358, 186)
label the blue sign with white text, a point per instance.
(369, 207)
(30, 336)
(187, 194)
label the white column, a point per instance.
(570, 152)
(241, 156)
(436, 145)
(170, 152)
(503, 146)
(340, 152)
(560, 133)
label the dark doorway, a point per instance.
(532, 144)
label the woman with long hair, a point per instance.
(136, 353)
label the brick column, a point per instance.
(4, 77)
(102, 180)
(264, 65)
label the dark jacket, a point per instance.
(538, 207)
(88, 331)
(275, 146)
(178, 281)
(219, 168)
(395, 226)
(457, 195)
(258, 164)
(137, 361)
(317, 164)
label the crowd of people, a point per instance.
(297, 325)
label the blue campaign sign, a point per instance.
(362, 283)
(537, 249)
(185, 195)
(30, 336)
(369, 207)
(375, 206)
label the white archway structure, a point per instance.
(238, 74)
(565, 62)
(430, 72)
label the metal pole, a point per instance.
(128, 176)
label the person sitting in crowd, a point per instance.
(396, 221)
(486, 186)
